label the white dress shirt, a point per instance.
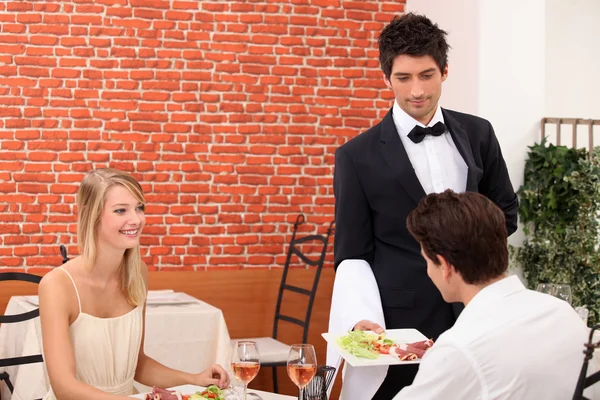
(436, 160)
(508, 343)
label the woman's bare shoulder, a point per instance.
(57, 284)
(53, 280)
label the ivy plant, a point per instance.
(559, 207)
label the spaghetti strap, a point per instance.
(74, 285)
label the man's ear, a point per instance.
(387, 81)
(445, 73)
(448, 269)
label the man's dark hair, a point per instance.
(467, 229)
(413, 35)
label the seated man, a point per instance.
(509, 342)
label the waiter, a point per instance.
(380, 176)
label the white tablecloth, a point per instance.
(189, 337)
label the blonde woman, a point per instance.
(92, 307)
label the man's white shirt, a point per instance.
(436, 160)
(508, 343)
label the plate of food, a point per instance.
(393, 347)
(185, 392)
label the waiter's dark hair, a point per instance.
(414, 35)
(467, 229)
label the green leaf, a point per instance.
(559, 208)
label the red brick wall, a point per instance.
(229, 113)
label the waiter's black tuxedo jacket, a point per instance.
(376, 188)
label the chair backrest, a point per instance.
(9, 319)
(295, 249)
(585, 381)
(319, 385)
(63, 253)
(19, 276)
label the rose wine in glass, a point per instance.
(301, 365)
(245, 363)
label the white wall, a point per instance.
(573, 58)
(460, 19)
(512, 75)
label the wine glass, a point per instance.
(547, 288)
(563, 292)
(301, 365)
(245, 362)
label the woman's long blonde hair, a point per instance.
(90, 202)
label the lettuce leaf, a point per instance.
(212, 389)
(361, 343)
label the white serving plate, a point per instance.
(397, 335)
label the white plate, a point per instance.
(189, 389)
(169, 299)
(183, 389)
(397, 335)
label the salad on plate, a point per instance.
(212, 392)
(365, 344)
(371, 345)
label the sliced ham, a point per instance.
(423, 345)
(410, 351)
(163, 394)
(401, 354)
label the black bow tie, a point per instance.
(418, 133)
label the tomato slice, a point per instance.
(384, 349)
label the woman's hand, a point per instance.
(213, 375)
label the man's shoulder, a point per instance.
(466, 118)
(453, 337)
(363, 139)
(557, 308)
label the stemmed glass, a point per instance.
(547, 288)
(563, 292)
(301, 365)
(245, 362)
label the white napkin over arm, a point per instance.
(355, 297)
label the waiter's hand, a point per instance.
(366, 325)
